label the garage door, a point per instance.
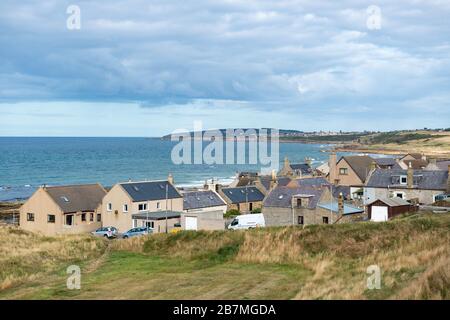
(191, 223)
(379, 213)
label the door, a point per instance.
(379, 213)
(191, 223)
(69, 219)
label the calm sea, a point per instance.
(26, 163)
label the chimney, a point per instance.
(340, 205)
(448, 179)
(332, 165)
(286, 162)
(170, 178)
(410, 177)
(424, 157)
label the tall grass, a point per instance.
(25, 256)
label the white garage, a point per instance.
(379, 213)
(191, 223)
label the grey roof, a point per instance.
(281, 197)
(77, 198)
(238, 195)
(283, 181)
(320, 182)
(159, 215)
(443, 165)
(150, 190)
(392, 202)
(348, 209)
(359, 164)
(201, 199)
(265, 181)
(385, 161)
(304, 168)
(425, 180)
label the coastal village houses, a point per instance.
(296, 170)
(148, 203)
(244, 199)
(307, 201)
(63, 209)
(416, 186)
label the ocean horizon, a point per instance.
(29, 162)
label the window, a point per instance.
(69, 220)
(109, 208)
(158, 205)
(150, 224)
(234, 222)
(125, 208)
(142, 207)
(51, 218)
(99, 217)
(91, 218)
(343, 171)
(30, 216)
(299, 203)
(399, 195)
(300, 219)
(403, 180)
(83, 217)
(251, 206)
(325, 220)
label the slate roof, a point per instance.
(159, 215)
(201, 199)
(303, 167)
(425, 180)
(238, 194)
(385, 161)
(77, 198)
(320, 182)
(392, 202)
(348, 209)
(150, 190)
(281, 197)
(416, 164)
(443, 165)
(283, 181)
(359, 164)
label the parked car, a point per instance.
(140, 231)
(247, 221)
(107, 232)
(442, 197)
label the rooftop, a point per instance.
(150, 190)
(243, 194)
(201, 199)
(76, 198)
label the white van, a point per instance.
(247, 221)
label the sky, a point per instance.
(147, 68)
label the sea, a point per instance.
(29, 162)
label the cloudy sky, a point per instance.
(146, 68)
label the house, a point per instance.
(63, 209)
(296, 169)
(384, 209)
(419, 186)
(305, 205)
(243, 199)
(387, 163)
(414, 160)
(437, 165)
(203, 201)
(134, 204)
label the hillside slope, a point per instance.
(317, 262)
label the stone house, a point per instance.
(63, 209)
(244, 199)
(296, 169)
(418, 186)
(305, 205)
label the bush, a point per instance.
(256, 210)
(231, 213)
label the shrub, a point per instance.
(256, 210)
(231, 213)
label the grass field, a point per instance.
(317, 262)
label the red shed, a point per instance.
(384, 209)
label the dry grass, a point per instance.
(26, 256)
